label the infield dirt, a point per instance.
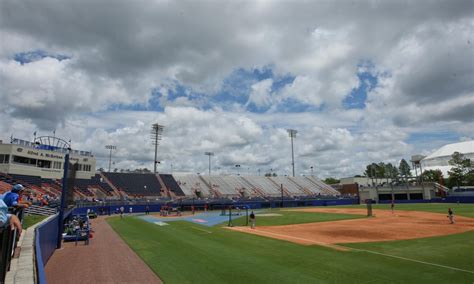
(384, 226)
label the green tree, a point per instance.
(462, 169)
(392, 171)
(371, 172)
(432, 175)
(380, 170)
(404, 168)
(331, 180)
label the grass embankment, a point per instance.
(183, 252)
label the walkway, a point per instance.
(107, 259)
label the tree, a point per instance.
(101, 170)
(404, 169)
(462, 169)
(370, 171)
(331, 180)
(432, 175)
(391, 172)
(380, 170)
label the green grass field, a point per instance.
(461, 209)
(183, 252)
(31, 220)
(291, 217)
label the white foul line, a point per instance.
(414, 260)
(369, 251)
(209, 232)
(301, 239)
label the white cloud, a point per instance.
(423, 61)
(261, 95)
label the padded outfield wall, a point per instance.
(213, 205)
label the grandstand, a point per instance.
(135, 184)
(221, 186)
(193, 185)
(291, 187)
(171, 184)
(239, 185)
(112, 186)
(263, 185)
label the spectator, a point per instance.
(12, 197)
(5, 218)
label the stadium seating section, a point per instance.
(137, 185)
(172, 185)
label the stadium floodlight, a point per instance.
(110, 147)
(209, 154)
(156, 131)
(238, 168)
(292, 134)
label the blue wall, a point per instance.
(449, 199)
(45, 244)
(250, 204)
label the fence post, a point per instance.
(63, 202)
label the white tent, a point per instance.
(440, 158)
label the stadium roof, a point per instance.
(447, 150)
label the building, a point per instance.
(44, 158)
(439, 159)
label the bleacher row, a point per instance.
(135, 185)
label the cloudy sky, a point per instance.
(361, 81)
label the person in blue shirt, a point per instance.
(6, 218)
(11, 198)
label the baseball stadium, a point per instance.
(109, 227)
(238, 141)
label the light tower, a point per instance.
(209, 154)
(156, 131)
(292, 134)
(110, 147)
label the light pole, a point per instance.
(209, 154)
(156, 131)
(292, 134)
(110, 147)
(237, 167)
(311, 170)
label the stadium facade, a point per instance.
(45, 160)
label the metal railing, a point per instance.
(8, 243)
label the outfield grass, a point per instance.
(292, 217)
(461, 209)
(183, 252)
(30, 220)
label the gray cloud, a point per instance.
(421, 52)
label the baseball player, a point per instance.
(451, 216)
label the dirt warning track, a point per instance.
(385, 226)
